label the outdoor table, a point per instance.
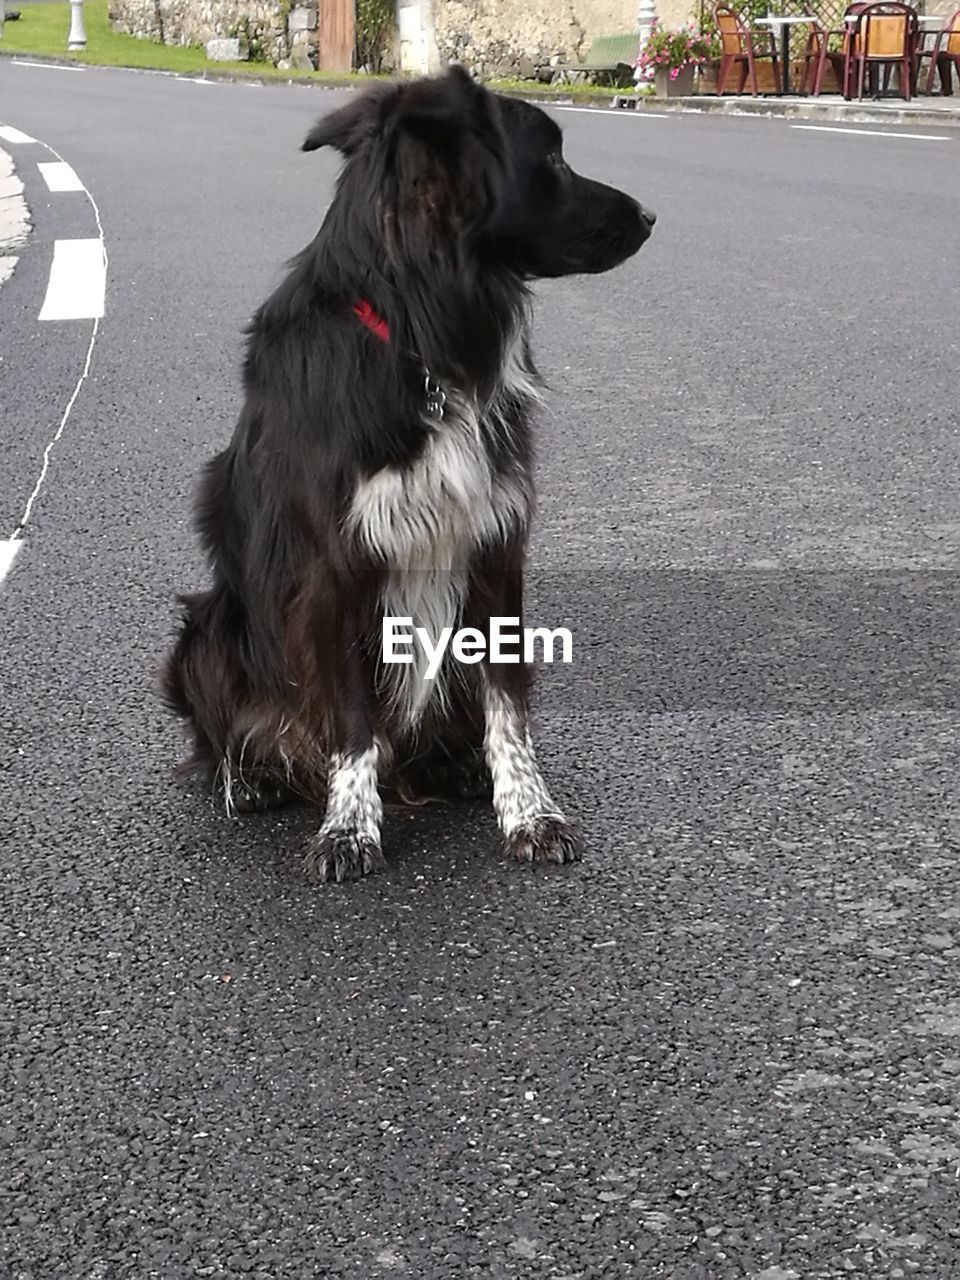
(929, 21)
(784, 21)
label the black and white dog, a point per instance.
(381, 466)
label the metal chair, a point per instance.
(886, 35)
(944, 55)
(817, 54)
(737, 46)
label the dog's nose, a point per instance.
(649, 217)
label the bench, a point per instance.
(608, 56)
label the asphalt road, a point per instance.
(728, 1043)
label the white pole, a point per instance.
(646, 18)
(77, 39)
(3, 15)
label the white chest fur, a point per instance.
(436, 512)
(425, 522)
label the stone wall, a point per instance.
(269, 30)
(492, 37)
(499, 38)
(510, 37)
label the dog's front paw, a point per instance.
(547, 839)
(342, 855)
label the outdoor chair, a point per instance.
(883, 35)
(817, 55)
(609, 57)
(743, 47)
(944, 54)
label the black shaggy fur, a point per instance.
(450, 200)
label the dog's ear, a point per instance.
(348, 128)
(450, 150)
(433, 106)
(443, 110)
(449, 121)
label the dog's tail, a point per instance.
(200, 682)
(255, 751)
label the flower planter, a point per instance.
(681, 87)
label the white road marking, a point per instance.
(874, 133)
(59, 432)
(59, 176)
(638, 113)
(99, 264)
(8, 553)
(78, 281)
(45, 66)
(9, 134)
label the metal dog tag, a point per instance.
(436, 397)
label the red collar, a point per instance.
(376, 324)
(436, 397)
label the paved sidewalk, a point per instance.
(940, 112)
(14, 216)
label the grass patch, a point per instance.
(42, 30)
(576, 90)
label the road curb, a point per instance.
(14, 216)
(806, 109)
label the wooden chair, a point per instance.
(886, 35)
(944, 54)
(738, 46)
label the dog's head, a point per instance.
(552, 221)
(449, 170)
